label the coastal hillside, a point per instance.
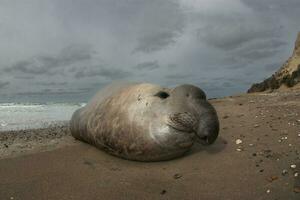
(287, 76)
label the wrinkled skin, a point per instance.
(146, 122)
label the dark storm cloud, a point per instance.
(109, 73)
(233, 31)
(25, 66)
(271, 44)
(289, 7)
(4, 84)
(258, 54)
(51, 83)
(154, 42)
(46, 63)
(24, 77)
(147, 65)
(252, 52)
(178, 76)
(163, 22)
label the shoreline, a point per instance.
(15, 143)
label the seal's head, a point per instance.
(192, 112)
(177, 115)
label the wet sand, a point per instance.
(263, 165)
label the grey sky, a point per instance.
(57, 50)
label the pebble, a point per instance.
(284, 172)
(296, 174)
(293, 166)
(272, 178)
(268, 191)
(238, 141)
(251, 145)
(256, 125)
(163, 192)
(298, 134)
(177, 176)
(239, 150)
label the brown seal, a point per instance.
(146, 122)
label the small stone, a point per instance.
(279, 141)
(115, 169)
(296, 174)
(268, 191)
(298, 134)
(256, 125)
(251, 145)
(177, 176)
(238, 141)
(293, 166)
(11, 197)
(284, 172)
(239, 150)
(163, 192)
(272, 178)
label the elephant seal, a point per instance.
(146, 122)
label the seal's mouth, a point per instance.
(204, 140)
(205, 130)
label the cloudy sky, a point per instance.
(66, 50)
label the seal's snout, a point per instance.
(208, 127)
(209, 133)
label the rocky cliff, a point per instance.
(287, 76)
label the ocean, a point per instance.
(18, 116)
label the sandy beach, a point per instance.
(257, 156)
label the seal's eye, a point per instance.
(162, 95)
